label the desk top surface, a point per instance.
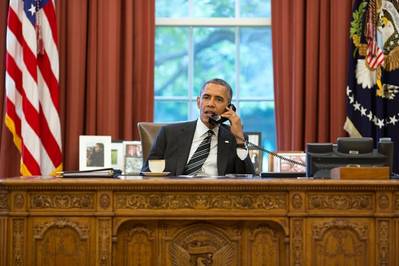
(221, 183)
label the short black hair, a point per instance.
(222, 83)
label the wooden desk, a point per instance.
(198, 222)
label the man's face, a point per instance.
(98, 147)
(213, 100)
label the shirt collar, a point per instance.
(202, 129)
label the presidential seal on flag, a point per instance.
(373, 79)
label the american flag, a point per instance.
(375, 56)
(32, 93)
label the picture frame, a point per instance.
(133, 157)
(256, 159)
(117, 156)
(132, 148)
(94, 152)
(254, 153)
(133, 165)
(278, 165)
(254, 137)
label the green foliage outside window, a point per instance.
(186, 56)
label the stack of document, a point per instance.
(103, 172)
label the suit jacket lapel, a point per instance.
(184, 139)
(225, 143)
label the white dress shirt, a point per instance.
(209, 168)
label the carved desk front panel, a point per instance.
(198, 222)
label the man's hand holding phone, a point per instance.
(235, 123)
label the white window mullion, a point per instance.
(190, 62)
(190, 71)
(190, 8)
(237, 68)
(238, 8)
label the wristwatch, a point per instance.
(242, 146)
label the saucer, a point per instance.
(155, 173)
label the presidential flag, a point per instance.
(373, 82)
(32, 93)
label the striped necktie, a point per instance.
(200, 155)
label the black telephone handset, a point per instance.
(218, 119)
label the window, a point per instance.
(197, 40)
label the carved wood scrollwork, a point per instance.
(297, 201)
(264, 245)
(136, 245)
(19, 201)
(105, 241)
(340, 241)
(137, 229)
(383, 242)
(81, 229)
(3, 200)
(383, 201)
(319, 230)
(396, 201)
(297, 242)
(105, 201)
(62, 201)
(18, 241)
(200, 201)
(340, 202)
(202, 244)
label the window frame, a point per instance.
(191, 23)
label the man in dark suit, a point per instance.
(226, 153)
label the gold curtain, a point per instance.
(310, 55)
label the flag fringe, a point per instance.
(57, 170)
(24, 170)
(11, 126)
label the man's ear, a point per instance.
(198, 102)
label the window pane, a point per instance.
(259, 117)
(255, 8)
(209, 8)
(194, 109)
(214, 55)
(169, 111)
(171, 9)
(256, 66)
(186, 57)
(171, 61)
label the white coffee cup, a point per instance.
(156, 166)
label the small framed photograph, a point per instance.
(133, 165)
(278, 165)
(256, 159)
(255, 154)
(132, 149)
(117, 156)
(94, 152)
(254, 137)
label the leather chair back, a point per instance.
(148, 131)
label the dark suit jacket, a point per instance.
(173, 144)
